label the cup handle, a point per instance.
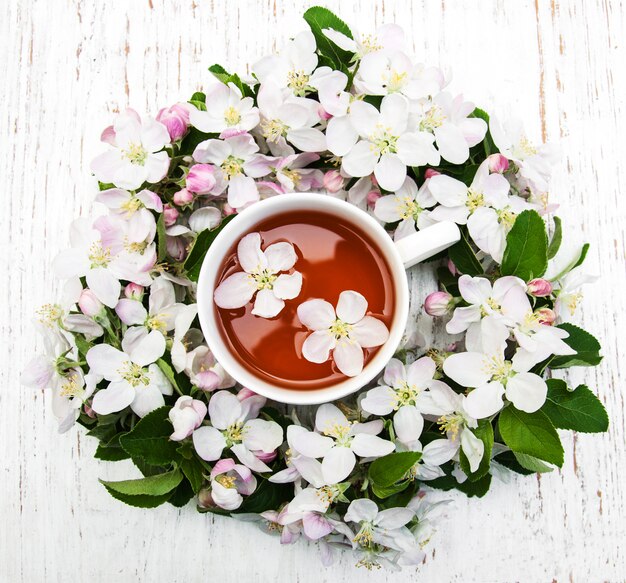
(427, 242)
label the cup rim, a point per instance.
(240, 225)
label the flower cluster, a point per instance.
(350, 117)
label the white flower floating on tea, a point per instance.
(345, 332)
(260, 276)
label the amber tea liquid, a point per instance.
(333, 256)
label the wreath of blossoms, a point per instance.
(351, 117)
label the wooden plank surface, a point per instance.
(68, 65)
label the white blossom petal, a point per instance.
(527, 391)
(316, 314)
(369, 332)
(235, 291)
(317, 346)
(288, 286)
(351, 307)
(348, 357)
(209, 443)
(337, 464)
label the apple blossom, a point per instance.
(262, 276)
(186, 415)
(291, 171)
(293, 67)
(387, 145)
(138, 154)
(126, 203)
(134, 378)
(439, 303)
(458, 201)
(201, 179)
(448, 120)
(229, 483)
(134, 291)
(386, 527)
(455, 419)
(338, 442)
(491, 309)
(161, 313)
(232, 159)
(493, 376)
(226, 111)
(183, 197)
(407, 205)
(498, 163)
(545, 316)
(333, 181)
(534, 163)
(288, 120)
(344, 332)
(569, 294)
(234, 426)
(88, 258)
(383, 73)
(89, 304)
(175, 119)
(401, 386)
(388, 38)
(538, 287)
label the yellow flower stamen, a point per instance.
(136, 153)
(232, 116)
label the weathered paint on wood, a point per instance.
(68, 65)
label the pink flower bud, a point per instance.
(228, 210)
(438, 303)
(430, 172)
(176, 248)
(498, 163)
(88, 303)
(170, 214)
(539, 287)
(89, 411)
(201, 178)
(175, 119)
(372, 197)
(452, 268)
(134, 291)
(546, 316)
(266, 456)
(205, 500)
(333, 181)
(183, 197)
(324, 115)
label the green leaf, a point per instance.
(586, 346)
(203, 241)
(488, 143)
(319, 18)
(508, 460)
(140, 501)
(383, 492)
(268, 496)
(192, 139)
(477, 488)
(583, 255)
(526, 252)
(111, 451)
(181, 496)
(387, 470)
(158, 485)
(464, 258)
(532, 464)
(532, 434)
(192, 469)
(557, 237)
(150, 439)
(225, 77)
(484, 432)
(161, 238)
(578, 410)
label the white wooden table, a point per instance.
(69, 65)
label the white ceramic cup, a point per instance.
(399, 256)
